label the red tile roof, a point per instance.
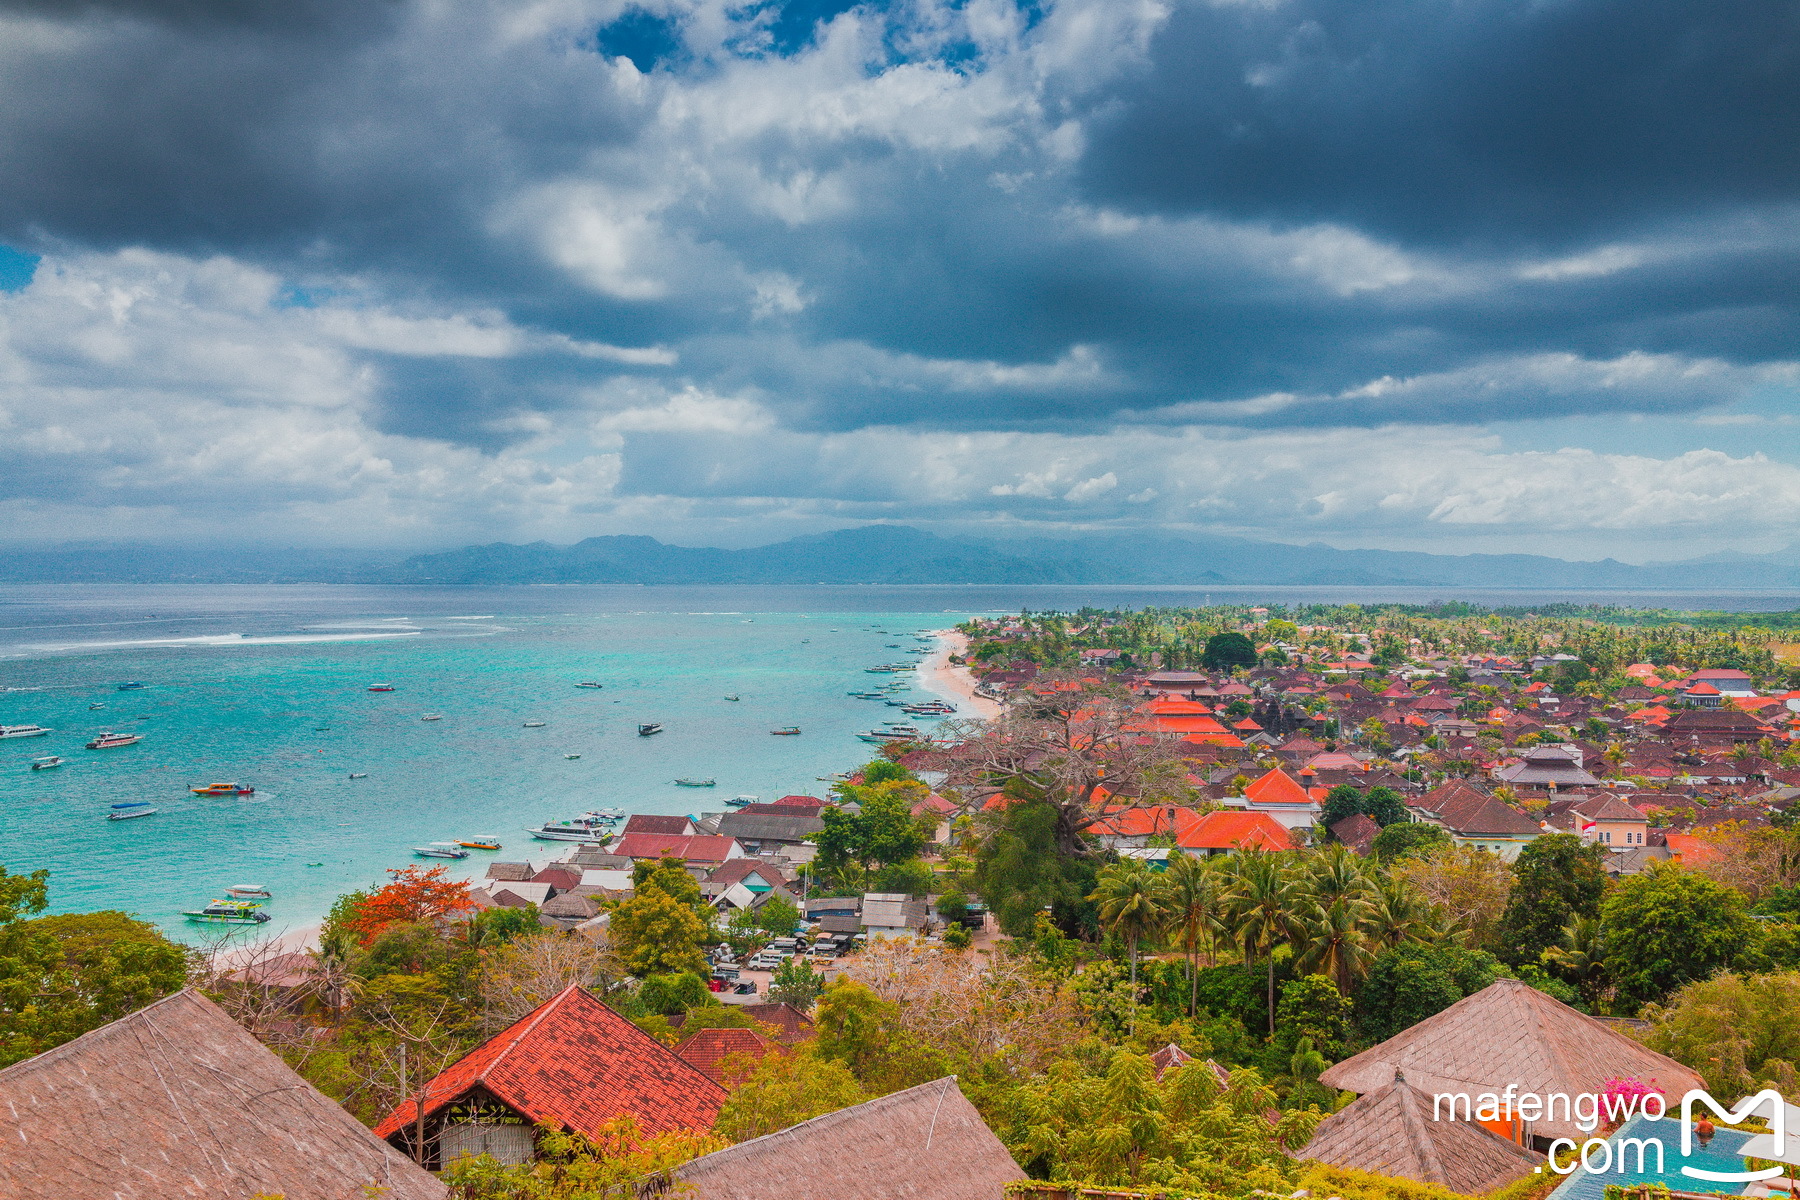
(708, 1049)
(1233, 830)
(696, 848)
(648, 823)
(1277, 787)
(576, 1064)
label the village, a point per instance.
(1217, 903)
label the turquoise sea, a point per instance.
(268, 686)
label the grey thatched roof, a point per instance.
(177, 1100)
(1393, 1131)
(925, 1143)
(1509, 1032)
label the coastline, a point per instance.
(938, 674)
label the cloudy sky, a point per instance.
(1438, 274)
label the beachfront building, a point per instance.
(177, 1099)
(571, 1063)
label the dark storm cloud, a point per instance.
(1491, 121)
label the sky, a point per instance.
(1449, 275)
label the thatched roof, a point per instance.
(1393, 1131)
(178, 1100)
(1509, 1032)
(925, 1142)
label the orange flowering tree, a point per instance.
(413, 895)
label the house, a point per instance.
(1473, 816)
(666, 826)
(179, 1100)
(1605, 819)
(697, 849)
(1132, 828)
(892, 914)
(1228, 831)
(1547, 767)
(1177, 683)
(1358, 832)
(1509, 1033)
(926, 1141)
(760, 834)
(1727, 681)
(707, 1050)
(571, 1063)
(1279, 795)
(1394, 1130)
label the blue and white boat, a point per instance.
(129, 809)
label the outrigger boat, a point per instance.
(534, 724)
(590, 684)
(381, 687)
(441, 850)
(228, 912)
(432, 717)
(247, 891)
(740, 801)
(786, 731)
(480, 841)
(732, 696)
(897, 733)
(649, 727)
(107, 741)
(571, 756)
(47, 763)
(223, 789)
(696, 783)
(608, 814)
(129, 809)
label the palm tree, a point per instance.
(1580, 957)
(1260, 901)
(1130, 896)
(1398, 914)
(1192, 887)
(1334, 907)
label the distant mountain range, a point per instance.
(893, 554)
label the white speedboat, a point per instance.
(571, 756)
(534, 724)
(13, 731)
(432, 717)
(582, 829)
(649, 727)
(47, 763)
(441, 850)
(129, 809)
(228, 912)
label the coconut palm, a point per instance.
(1333, 907)
(1260, 907)
(1580, 957)
(1398, 914)
(1192, 888)
(1130, 896)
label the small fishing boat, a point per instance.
(47, 763)
(534, 724)
(92, 707)
(228, 912)
(432, 717)
(732, 696)
(696, 783)
(608, 814)
(381, 687)
(740, 801)
(896, 734)
(223, 789)
(441, 850)
(786, 731)
(359, 774)
(590, 684)
(107, 741)
(648, 728)
(13, 731)
(132, 685)
(248, 891)
(571, 756)
(869, 695)
(481, 841)
(130, 808)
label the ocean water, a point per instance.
(268, 686)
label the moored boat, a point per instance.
(590, 684)
(381, 687)
(359, 774)
(228, 912)
(696, 783)
(14, 731)
(432, 717)
(649, 727)
(897, 733)
(608, 814)
(786, 731)
(732, 696)
(223, 789)
(132, 685)
(534, 724)
(481, 841)
(248, 891)
(580, 829)
(571, 756)
(740, 801)
(47, 763)
(441, 850)
(131, 808)
(107, 741)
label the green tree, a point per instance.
(883, 831)
(676, 993)
(1227, 650)
(655, 934)
(1333, 902)
(953, 905)
(1409, 983)
(779, 916)
(1556, 878)
(785, 1089)
(1382, 805)
(1130, 896)
(1312, 1007)
(1192, 890)
(1020, 873)
(855, 1026)
(1408, 839)
(1668, 927)
(1260, 910)
(795, 983)
(1741, 1032)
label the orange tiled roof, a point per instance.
(1231, 829)
(1277, 787)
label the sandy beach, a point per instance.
(938, 674)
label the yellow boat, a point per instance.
(223, 789)
(480, 843)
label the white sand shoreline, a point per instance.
(938, 674)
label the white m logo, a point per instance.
(1777, 1140)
